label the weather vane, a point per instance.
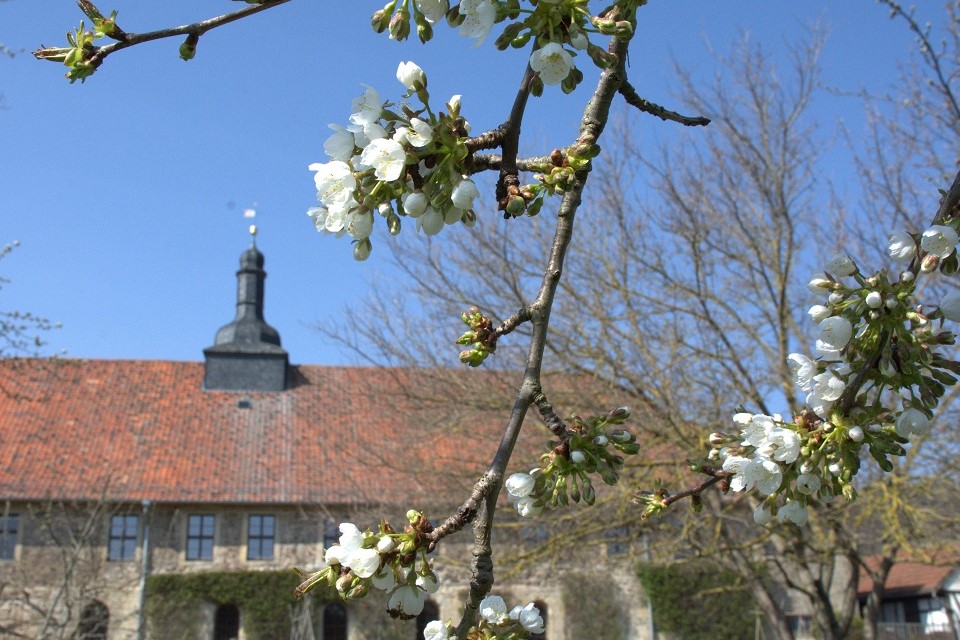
(252, 213)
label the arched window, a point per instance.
(540, 604)
(334, 622)
(431, 612)
(226, 623)
(94, 620)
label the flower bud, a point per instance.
(874, 300)
(929, 263)
(362, 249)
(856, 434)
(819, 312)
(717, 439)
(577, 457)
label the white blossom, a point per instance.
(808, 484)
(384, 579)
(828, 386)
(340, 145)
(335, 184)
(363, 562)
(527, 507)
(743, 472)
(386, 157)
(901, 246)
(804, 369)
(755, 432)
(428, 583)
(782, 444)
(433, 10)
(359, 224)
(950, 306)
(912, 422)
(827, 353)
(464, 194)
(819, 312)
(520, 484)
(768, 475)
(436, 630)
(793, 511)
(820, 283)
(411, 76)
(430, 222)
(420, 133)
(762, 514)
(414, 203)
(842, 265)
(552, 63)
(407, 600)
(529, 617)
(939, 240)
(874, 300)
(836, 332)
(493, 609)
(478, 19)
(367, 107)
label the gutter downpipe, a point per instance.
(144, 570)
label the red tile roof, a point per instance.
(133, 430)
(909, 578)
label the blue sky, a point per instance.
(127, 192)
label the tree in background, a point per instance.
(684, 299)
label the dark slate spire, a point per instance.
(246, 355)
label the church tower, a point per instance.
(246, 354)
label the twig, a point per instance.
(633, 99)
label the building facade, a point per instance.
(155, 499)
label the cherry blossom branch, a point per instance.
(511, 142)
(593, 122)
(487, 162)
(633, 99)
(658, 500)
(125, 39)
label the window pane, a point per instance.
(255, 526)
(208, 526)
(268, 526)
(8, 536)
(123, 537)
(193, 549)
(267, 550)
(206, 549)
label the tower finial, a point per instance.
(253, 235)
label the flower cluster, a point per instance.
(558, 29)
(564, 473)
(875, 383)
(395, 162)
(495, 623)
(393, 562)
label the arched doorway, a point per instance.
(334, 622)
(94, 621)
(226, 622)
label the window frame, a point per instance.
(123, 538)
(260, 538)
(201, 537)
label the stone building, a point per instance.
(156, 499)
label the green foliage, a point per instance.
(594, 610)
(265, 597)
(698, 601)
